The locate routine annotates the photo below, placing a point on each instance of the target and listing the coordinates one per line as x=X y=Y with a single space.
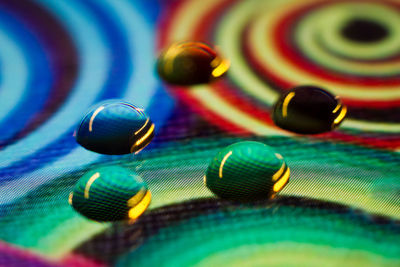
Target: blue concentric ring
x=96 y=81
x=13 y=65
x=37 y=84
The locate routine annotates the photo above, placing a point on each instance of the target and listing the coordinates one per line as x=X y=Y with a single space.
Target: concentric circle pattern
x=60 y=58
x=57 y=60
x=263 y=235
x=275 y=45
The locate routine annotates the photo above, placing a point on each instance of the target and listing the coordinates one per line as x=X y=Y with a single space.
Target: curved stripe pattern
x=286 y=231
x=38 y=81
x=112 y=88
x=55 y=231
x=78 y=155
x=115 y=49
x=93 y=53
x=326 y=30
x=62 y=122
x=98 y=79
x=13 y=64
x=63 y=65
x=248 y=34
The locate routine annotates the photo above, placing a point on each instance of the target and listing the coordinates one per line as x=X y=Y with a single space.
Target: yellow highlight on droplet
x=89 y=184
x=137 y=198
x=149 y=132
x=341 y=116
x=281 y=183
x=223 y=163
x=221 y=68
x=278 y=173
x=97 y=111
x=71 y=195
x=141 y=207
x=286 y=103
x=144 y=125
x=143 y=138
x=337 y=107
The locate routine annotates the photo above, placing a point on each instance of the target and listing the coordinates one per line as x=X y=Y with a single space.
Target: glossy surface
x=247 y=170
x=58 y=58
x=110 y=194
x=115 y=127
x=308 y=110
x=190 y=63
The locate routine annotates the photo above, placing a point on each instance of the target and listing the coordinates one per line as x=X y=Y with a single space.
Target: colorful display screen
x=341 y=206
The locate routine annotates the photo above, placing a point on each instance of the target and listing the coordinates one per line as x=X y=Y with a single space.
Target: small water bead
x=247 y=170
x=114 y=128
x=110 y=194
x=190 y=63
x=309 y=110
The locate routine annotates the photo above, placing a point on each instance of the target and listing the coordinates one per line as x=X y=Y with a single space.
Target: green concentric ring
x=284 y=232
x=332 y=38
x=319 y=37
x=257 y=17
x=342 y=173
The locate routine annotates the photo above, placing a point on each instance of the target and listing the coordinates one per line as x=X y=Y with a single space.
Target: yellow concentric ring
x=326 y=23
x=260 y=18
x=182 y=29
x=331 y=25
x=273 y=60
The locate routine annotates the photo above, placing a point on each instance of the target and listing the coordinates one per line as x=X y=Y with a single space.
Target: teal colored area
x=117 y=44
x=46 y=223
x=308 y=229
x=351 y=175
